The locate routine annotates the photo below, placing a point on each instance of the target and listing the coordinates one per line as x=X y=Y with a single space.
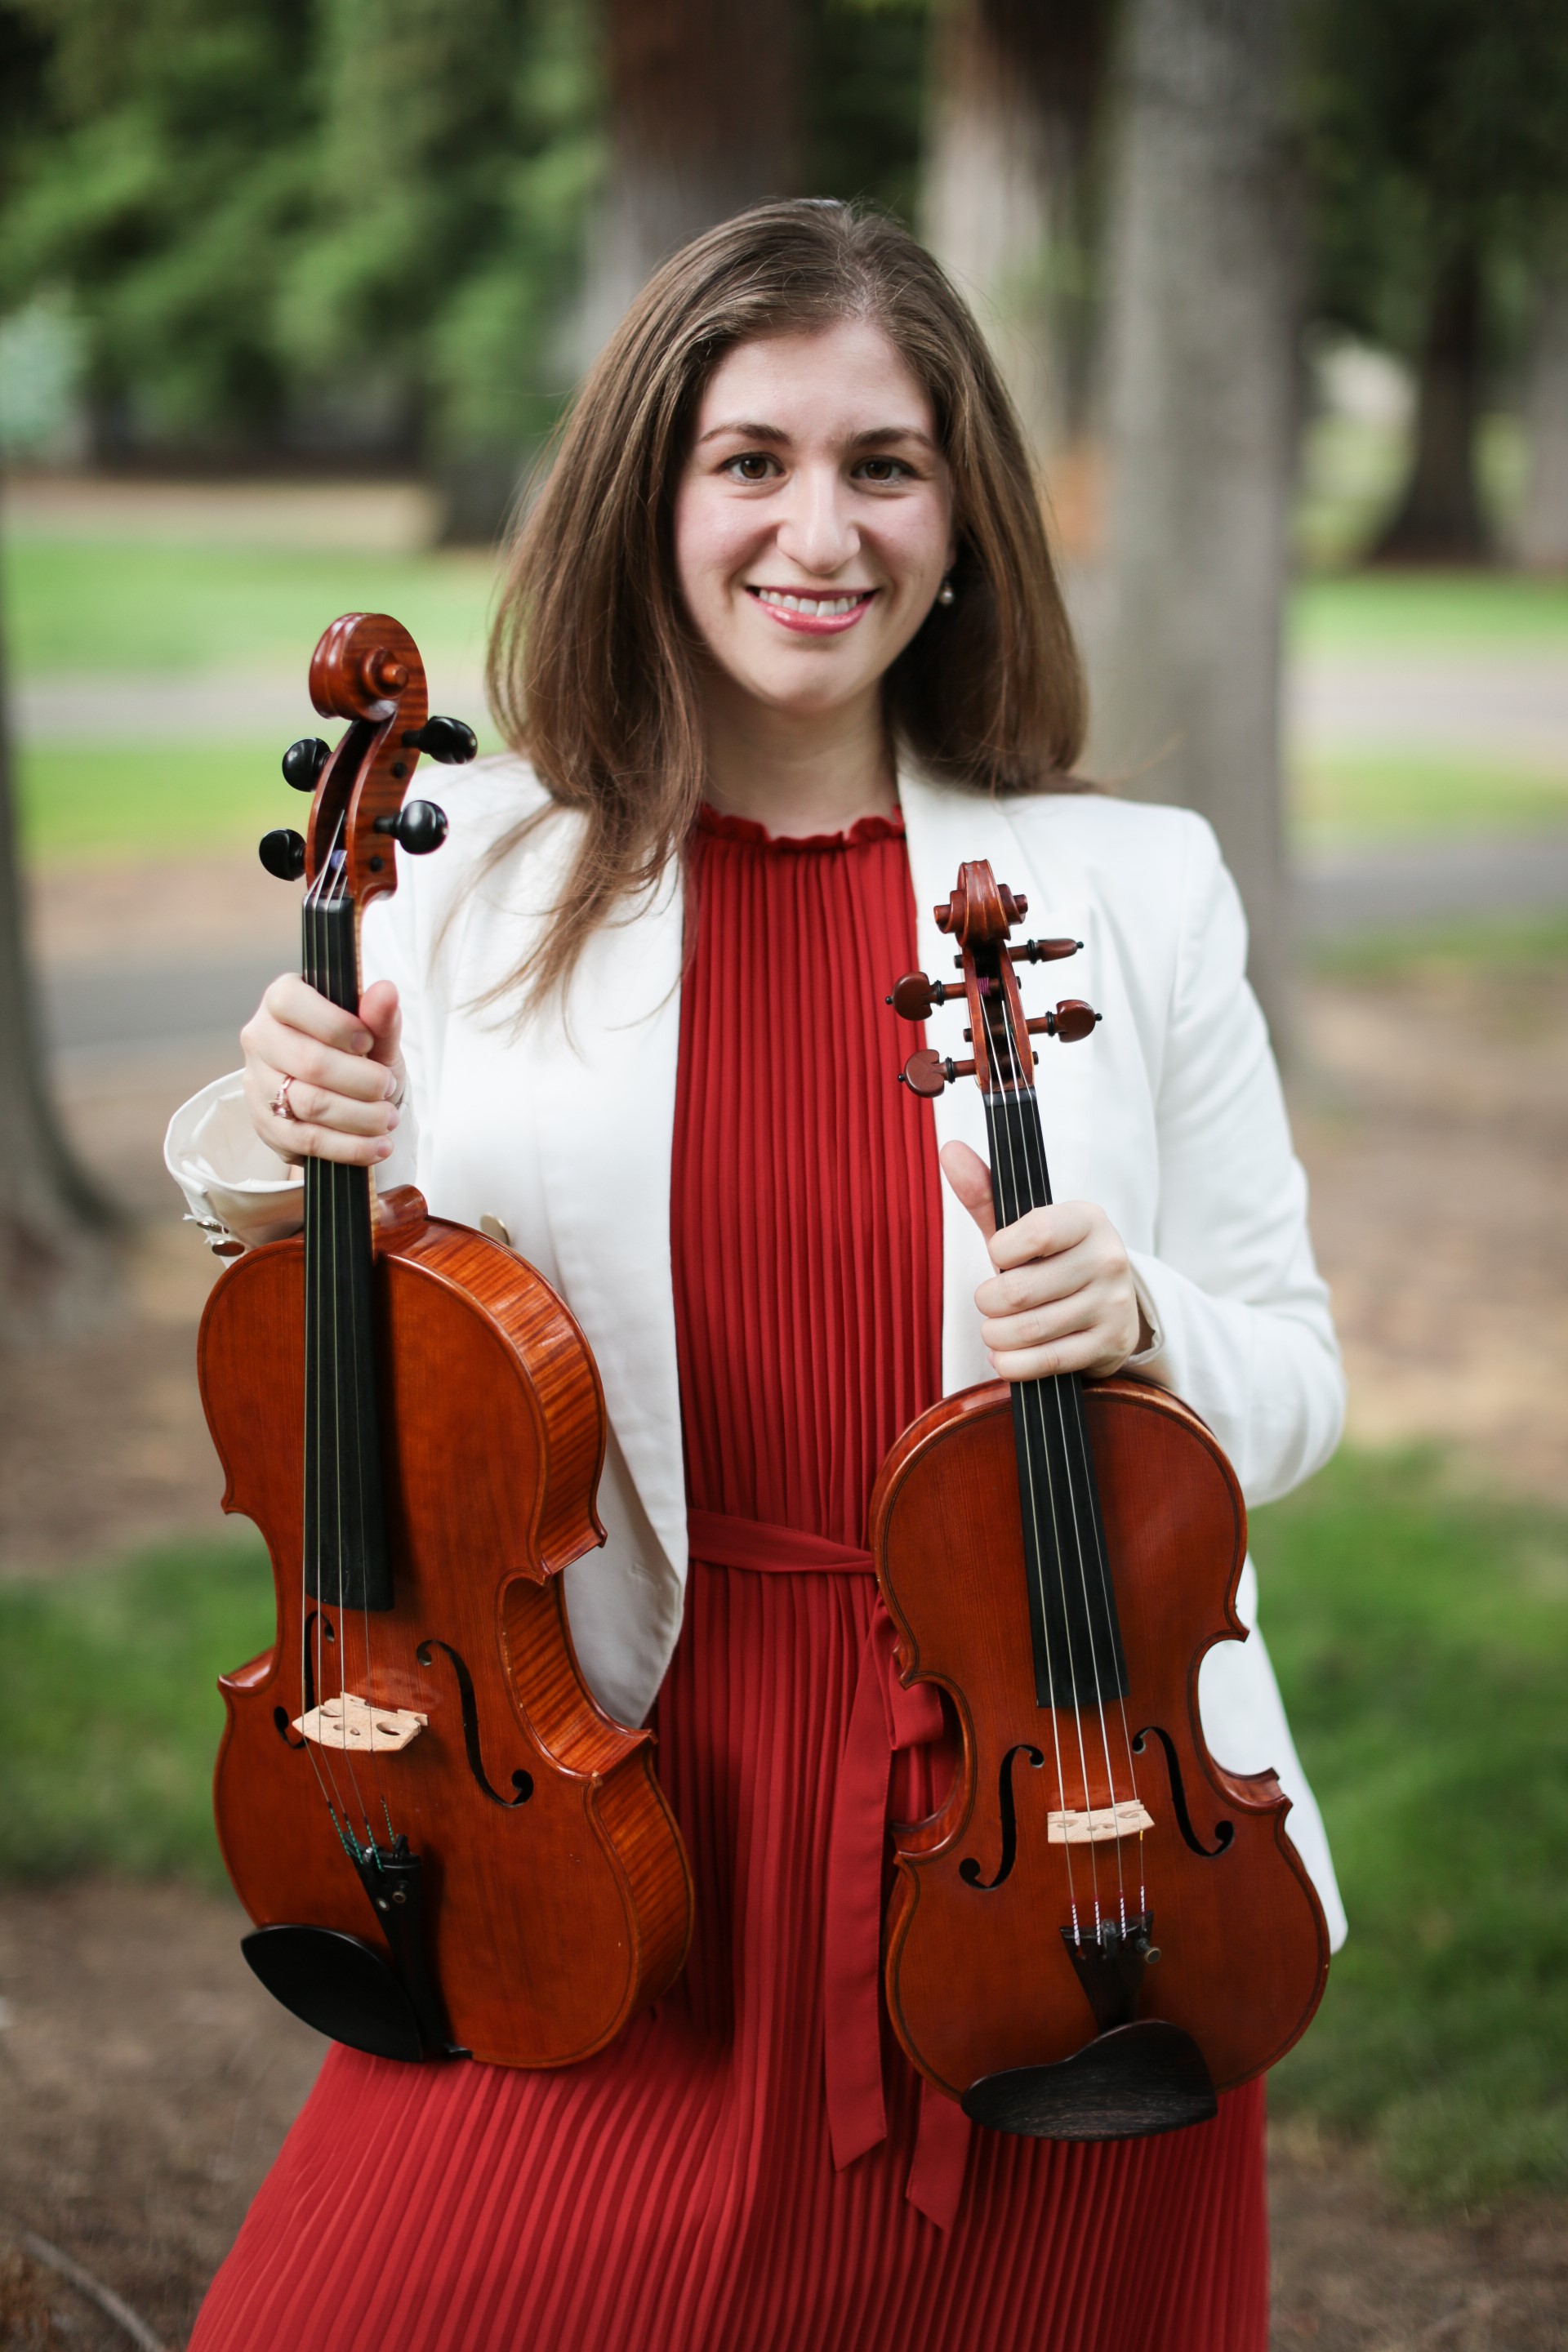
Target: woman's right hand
x=344 y=1072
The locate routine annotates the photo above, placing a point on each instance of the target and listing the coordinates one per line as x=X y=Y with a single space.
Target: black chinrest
x=1148 y=2076
x=338 y=1985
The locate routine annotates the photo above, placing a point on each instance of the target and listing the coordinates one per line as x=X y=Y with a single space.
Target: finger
x=302 y=1055
x=312 y=1114
x=383 y=1016
x=293 y=1002
x=1005 y=1334
x=1039 y=1282
x=1043 y=1233
x=1081 y=1351
x=309 y=1141
x=971 y=1180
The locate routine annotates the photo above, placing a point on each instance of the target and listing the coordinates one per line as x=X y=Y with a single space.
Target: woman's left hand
x=1062 y=1299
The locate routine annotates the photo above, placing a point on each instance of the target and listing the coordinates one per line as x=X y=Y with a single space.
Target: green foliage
x=108 y=1714
x=1347 y=791
x=863 y=72
x=280 y=221
x=1431 y=124
x=1421 y=1635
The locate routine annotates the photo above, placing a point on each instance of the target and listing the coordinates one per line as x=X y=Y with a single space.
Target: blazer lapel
x=606 y=1126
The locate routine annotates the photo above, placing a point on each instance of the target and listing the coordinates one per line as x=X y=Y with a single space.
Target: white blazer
x=1171 y=1117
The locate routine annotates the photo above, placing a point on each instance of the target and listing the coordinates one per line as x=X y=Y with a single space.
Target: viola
x=446 y=1846
x=1099 y=1927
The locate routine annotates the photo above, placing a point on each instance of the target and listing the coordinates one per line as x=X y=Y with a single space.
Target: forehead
x=829 y=384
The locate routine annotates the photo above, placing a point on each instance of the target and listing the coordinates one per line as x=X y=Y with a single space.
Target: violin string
x=341 y=1178
x=1121 y=1696
x=1032 y=1138
x=1011 y=1190
x=321 y=1753
x=1031 y=1394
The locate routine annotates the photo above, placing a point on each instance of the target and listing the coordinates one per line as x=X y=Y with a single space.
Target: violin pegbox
x=367 y=669
x=980 y=915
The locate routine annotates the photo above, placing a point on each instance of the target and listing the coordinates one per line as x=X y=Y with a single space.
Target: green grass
x=108 y=1716
x=1518 y=946
x=1414 y=791
x=1421 y=1636
x=1380 y=613
x=118 y=604
x=110 y=800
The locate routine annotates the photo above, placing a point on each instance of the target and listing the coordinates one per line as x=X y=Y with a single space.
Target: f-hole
x=1224 y=1831
x=280 y=1714
x=969 y=1869
x=522 y=1781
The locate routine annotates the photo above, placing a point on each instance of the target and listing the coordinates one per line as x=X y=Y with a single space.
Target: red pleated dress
x=752 y=2168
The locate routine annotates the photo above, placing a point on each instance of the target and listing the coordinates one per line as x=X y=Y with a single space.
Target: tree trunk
x=56 y=1269
x=1543 y=526
x=703 y=124
x=1439 y=519
x=1184 y=633
x=1005 y=199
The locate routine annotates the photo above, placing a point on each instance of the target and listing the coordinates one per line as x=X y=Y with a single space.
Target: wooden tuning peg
x=914 y=995
x=1072 y=1021
x=1045 y=951
x=928 y=1072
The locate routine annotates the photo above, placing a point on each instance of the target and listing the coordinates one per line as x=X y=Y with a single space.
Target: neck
x=796 y=772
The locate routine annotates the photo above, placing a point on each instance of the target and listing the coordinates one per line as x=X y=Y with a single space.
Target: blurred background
x=291 y=293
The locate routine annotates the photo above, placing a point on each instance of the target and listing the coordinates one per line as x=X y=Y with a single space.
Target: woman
x=784 y=645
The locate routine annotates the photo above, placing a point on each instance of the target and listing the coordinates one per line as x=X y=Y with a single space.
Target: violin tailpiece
x=1100 y=1825
x=350 y=1722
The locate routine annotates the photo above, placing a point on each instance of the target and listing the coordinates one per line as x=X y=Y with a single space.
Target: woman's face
x=814 y=516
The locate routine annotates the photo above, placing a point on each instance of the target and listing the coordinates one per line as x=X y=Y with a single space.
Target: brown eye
x=753 y=467
x=884 y=470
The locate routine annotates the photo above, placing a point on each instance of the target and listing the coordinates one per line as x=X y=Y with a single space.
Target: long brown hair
x=593 y=669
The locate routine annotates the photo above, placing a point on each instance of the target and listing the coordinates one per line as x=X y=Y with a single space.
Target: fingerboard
x=1077 y=1650
x=345 y=1536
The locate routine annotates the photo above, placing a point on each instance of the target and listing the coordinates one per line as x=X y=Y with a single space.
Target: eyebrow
x=878 y=437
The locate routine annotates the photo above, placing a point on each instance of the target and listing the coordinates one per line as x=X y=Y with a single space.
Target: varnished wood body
x=978 y=1978
x=550 y=1921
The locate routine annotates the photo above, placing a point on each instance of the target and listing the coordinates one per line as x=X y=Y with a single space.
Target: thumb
x=379 y=1010
x=971 y=1180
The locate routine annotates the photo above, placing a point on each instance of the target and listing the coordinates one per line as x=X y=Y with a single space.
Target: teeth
x=817 y=607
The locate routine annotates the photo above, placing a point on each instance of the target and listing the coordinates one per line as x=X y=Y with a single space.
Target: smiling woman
x=780 y=644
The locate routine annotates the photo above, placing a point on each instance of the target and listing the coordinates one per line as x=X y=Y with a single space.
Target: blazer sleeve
x=1240 y=1313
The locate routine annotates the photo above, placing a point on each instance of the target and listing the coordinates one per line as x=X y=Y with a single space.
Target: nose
x=816 y=530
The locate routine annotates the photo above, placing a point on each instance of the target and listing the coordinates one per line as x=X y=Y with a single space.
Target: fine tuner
x=418 y=827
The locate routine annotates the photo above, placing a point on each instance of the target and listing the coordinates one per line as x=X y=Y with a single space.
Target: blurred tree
x=703 y=119
x=56 y=1268
x=1543 y=522
x=1439 y=138
x=1200 y=424
x=54 y=1265
x=1009 y=196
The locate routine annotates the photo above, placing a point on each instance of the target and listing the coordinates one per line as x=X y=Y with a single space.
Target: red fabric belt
x=883 y=1718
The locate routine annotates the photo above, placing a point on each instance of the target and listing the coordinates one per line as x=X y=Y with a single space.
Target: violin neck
x=1077 y=1652
x=345 y=1536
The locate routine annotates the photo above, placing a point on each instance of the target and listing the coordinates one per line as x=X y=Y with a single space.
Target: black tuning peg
x=283 y=852
x=446 y=740
x=304 y=762
x=418 y=827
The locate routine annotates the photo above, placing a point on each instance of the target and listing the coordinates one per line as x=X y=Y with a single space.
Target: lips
x=816 y=616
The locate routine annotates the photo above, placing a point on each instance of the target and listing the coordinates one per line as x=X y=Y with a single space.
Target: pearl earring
x=945 y=594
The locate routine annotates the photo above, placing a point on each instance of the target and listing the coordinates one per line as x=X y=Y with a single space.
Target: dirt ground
x=144 y=2079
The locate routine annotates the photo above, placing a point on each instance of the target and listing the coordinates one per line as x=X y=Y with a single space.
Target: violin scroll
x=365 y=669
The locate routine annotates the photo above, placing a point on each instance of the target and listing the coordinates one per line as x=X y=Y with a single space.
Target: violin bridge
x=1100 y=1825
x=350 y=1722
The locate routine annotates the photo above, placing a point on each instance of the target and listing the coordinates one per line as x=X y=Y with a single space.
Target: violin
x=447 y=1845
x=1099 y=1927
